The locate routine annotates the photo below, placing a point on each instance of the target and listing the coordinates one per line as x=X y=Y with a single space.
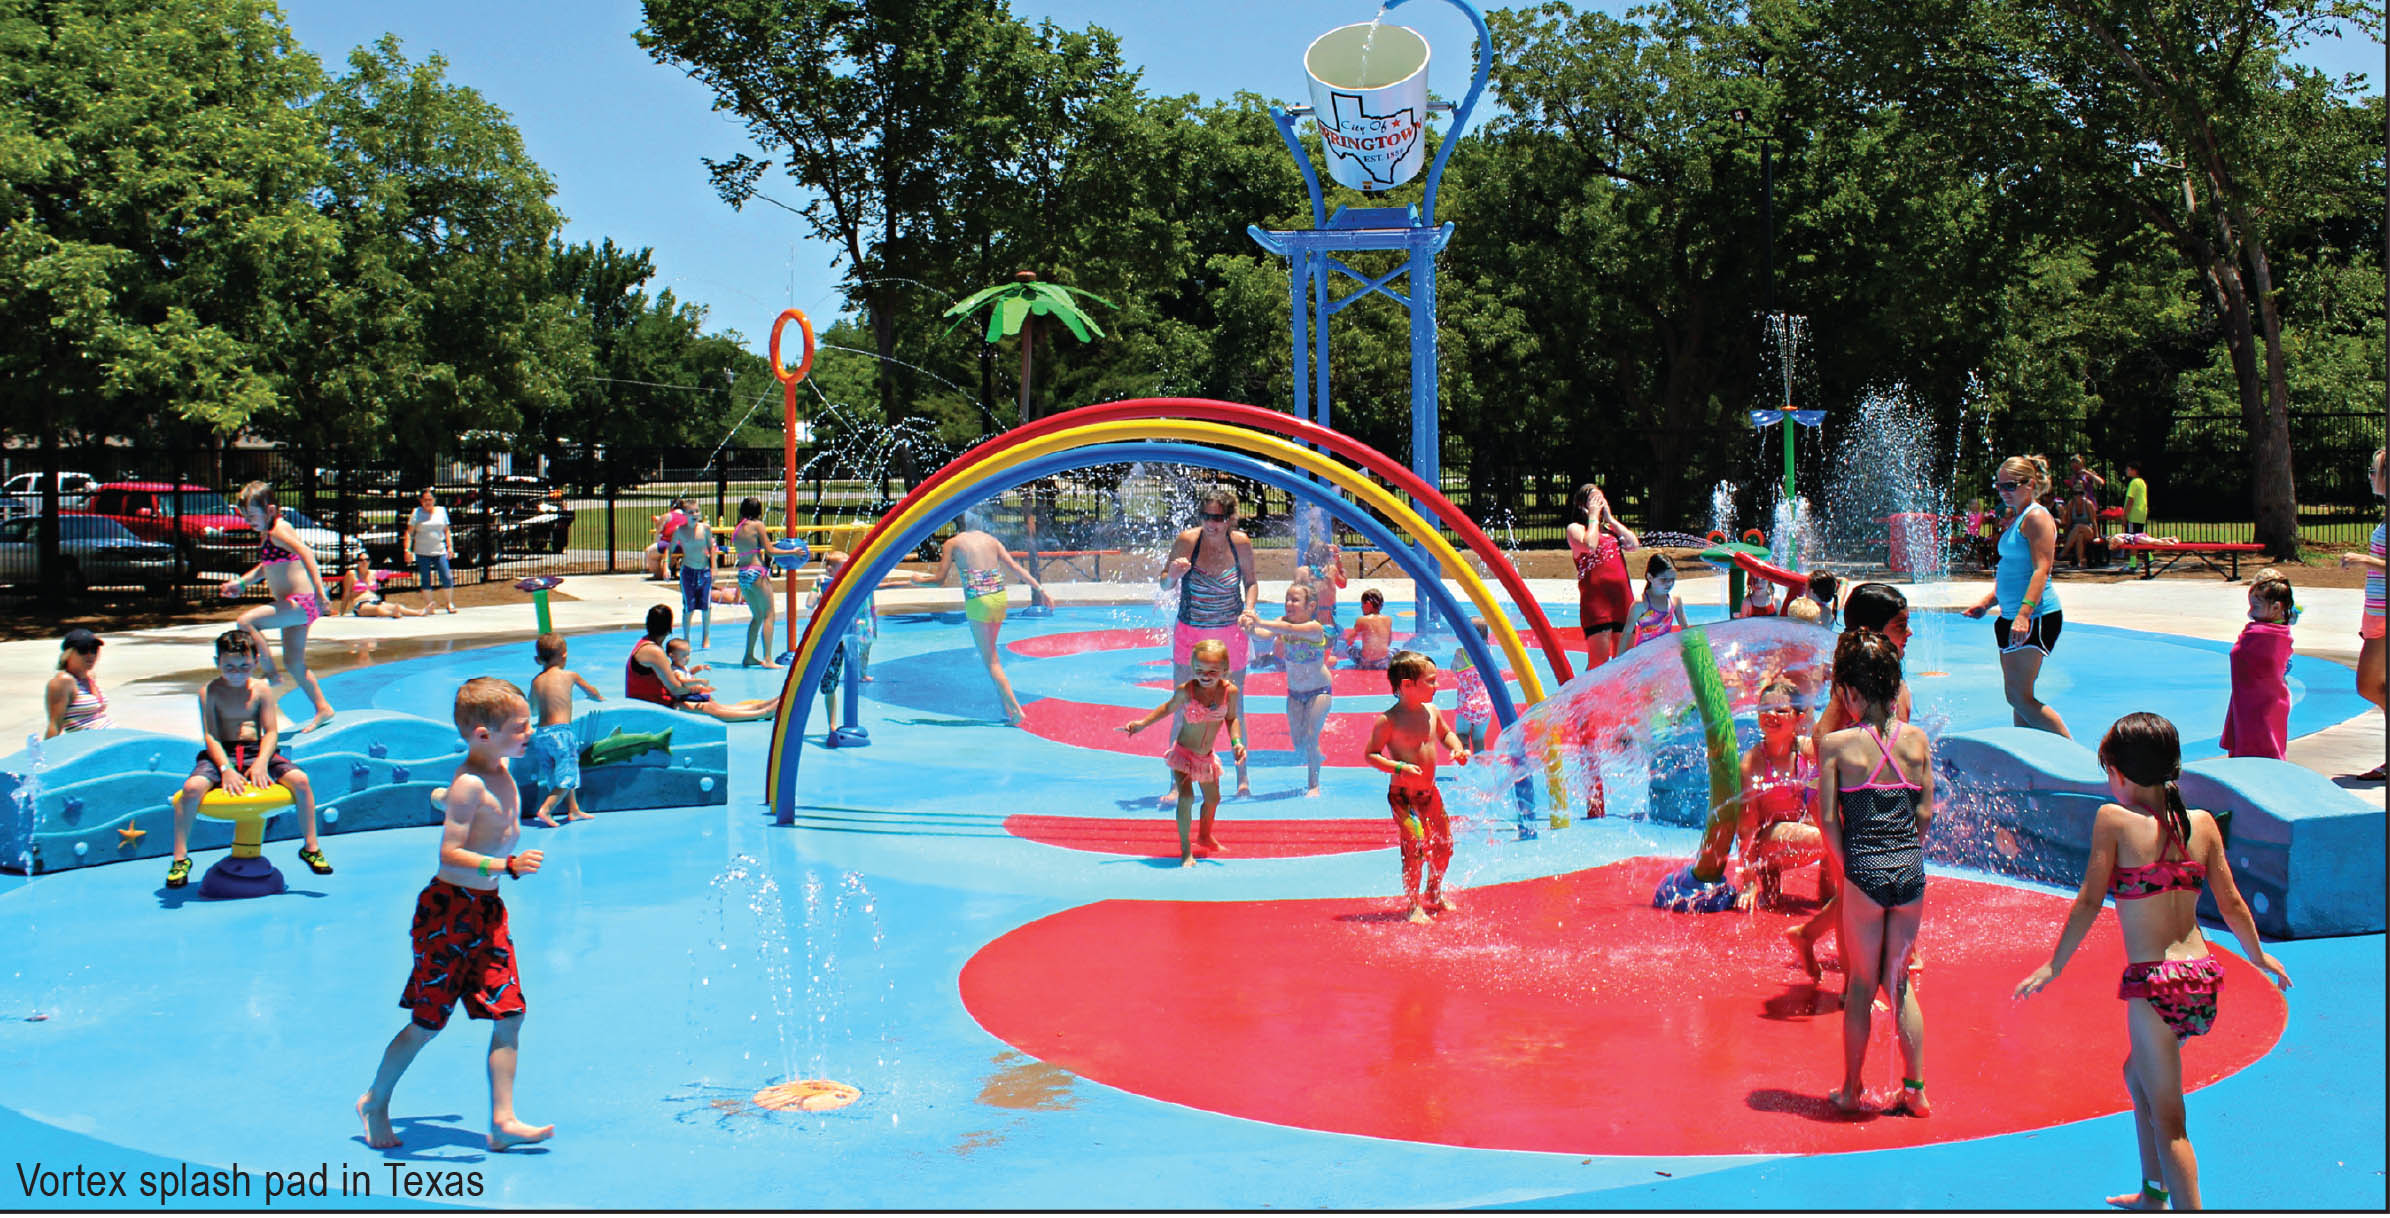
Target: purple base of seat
x=231 y=879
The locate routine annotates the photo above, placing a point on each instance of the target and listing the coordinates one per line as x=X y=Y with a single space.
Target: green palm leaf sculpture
x=1013 y=308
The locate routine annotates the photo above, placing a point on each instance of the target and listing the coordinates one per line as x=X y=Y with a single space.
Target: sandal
x=179 y=874
x=2376 y=774
x=314 y=858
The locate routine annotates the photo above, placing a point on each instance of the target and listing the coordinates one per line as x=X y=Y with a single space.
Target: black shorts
x=2042 y=635
x=243 y=756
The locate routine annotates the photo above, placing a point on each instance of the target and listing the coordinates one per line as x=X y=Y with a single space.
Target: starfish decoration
x=130 y=836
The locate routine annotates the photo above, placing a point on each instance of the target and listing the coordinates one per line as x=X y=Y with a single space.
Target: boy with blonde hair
x=462 y=949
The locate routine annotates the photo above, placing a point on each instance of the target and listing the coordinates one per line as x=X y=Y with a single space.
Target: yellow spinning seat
x=244 y=873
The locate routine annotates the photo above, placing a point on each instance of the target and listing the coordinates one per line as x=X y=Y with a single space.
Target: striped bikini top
x=2164 y=875
x=1206 y=599
x=87 y=708
x=1654 y=623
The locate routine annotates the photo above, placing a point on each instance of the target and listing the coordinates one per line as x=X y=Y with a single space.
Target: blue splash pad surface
x=676 y=961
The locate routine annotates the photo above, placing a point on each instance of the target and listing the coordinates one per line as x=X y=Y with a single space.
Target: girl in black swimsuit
x=1875 y=800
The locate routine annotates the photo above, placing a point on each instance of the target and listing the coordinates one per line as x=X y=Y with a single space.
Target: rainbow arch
x=1221 y=433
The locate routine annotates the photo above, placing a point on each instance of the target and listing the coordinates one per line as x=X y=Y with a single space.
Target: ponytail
x=2178 y=817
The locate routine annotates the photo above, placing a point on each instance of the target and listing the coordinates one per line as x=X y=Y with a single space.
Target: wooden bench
x=1072 y=559
x=2205 y=553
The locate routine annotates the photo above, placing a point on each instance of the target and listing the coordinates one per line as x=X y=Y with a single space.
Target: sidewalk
x=151 y=676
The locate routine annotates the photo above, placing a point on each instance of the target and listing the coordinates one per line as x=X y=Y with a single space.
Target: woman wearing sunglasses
x=2029 y=621
x=1212 y=564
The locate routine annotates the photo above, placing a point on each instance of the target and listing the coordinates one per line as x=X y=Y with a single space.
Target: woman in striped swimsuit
x=75 y=701
x=1212 y=564
x=1875 y=801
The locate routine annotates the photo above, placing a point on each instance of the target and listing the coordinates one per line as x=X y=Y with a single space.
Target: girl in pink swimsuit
x=1207 y=702
x=2170 y=988
x=289 y=571
x=1779 y=821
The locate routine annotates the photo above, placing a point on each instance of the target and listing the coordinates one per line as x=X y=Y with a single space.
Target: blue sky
x=623 y=135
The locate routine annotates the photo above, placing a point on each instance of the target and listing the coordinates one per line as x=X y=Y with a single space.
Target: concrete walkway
x=151 y=676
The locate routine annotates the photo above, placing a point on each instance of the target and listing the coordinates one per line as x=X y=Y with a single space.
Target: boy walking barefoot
x=239 y=726
x=555 y=743
x=1403 y=743
x=461 y=945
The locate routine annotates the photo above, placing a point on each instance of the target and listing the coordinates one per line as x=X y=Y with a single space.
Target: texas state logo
x=1370 y=150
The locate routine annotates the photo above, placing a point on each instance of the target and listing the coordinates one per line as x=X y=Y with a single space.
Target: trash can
x=1916 y=539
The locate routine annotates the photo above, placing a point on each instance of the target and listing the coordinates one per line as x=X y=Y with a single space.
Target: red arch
x=1400 y=476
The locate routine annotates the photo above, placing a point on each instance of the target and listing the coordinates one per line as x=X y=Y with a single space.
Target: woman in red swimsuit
x=2170 y=988
x=1604 y=594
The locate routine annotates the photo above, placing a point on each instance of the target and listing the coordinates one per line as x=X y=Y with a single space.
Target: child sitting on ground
x=1759 y=600
x=462 y=949
x=1778 y=825
x=556 y=746
x=1370 y=641
x=1662 y=612
x=239 y=729
x=1403 y=743
x=677 y=653
x=1474 y=712
x=2257 y=719
x=1209 y=699
x=365 y=594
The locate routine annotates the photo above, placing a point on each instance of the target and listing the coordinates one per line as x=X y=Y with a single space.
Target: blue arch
x=1364 y=522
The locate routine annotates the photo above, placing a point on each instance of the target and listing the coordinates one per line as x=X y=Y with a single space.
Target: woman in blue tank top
x=2029 y=621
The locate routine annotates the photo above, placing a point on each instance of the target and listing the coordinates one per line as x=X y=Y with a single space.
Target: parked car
x=220 y=541
x=93 y=551
x=22 y=494
x=333 y=549
x=530 y=518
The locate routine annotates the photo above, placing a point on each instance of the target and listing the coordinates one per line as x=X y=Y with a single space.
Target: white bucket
x=1371 y=108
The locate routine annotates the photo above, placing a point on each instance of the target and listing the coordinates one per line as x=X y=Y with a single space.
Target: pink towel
x=2257 y=721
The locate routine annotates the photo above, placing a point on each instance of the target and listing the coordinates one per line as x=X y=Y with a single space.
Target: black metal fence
x=578 y=512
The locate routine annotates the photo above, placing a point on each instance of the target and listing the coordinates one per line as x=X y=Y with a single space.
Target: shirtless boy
x=1372 y=633
x=239 y=727
x=461 y=946
x=1403 y=743
x=555 y=745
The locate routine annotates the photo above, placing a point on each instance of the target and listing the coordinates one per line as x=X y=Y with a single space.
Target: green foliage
x=156 y=227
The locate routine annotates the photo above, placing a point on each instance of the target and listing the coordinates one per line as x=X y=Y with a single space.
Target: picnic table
x=2205 y=553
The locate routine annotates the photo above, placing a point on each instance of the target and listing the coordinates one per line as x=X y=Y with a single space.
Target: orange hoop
x=804 y=366
x=1754 y=537
x=1717 y=537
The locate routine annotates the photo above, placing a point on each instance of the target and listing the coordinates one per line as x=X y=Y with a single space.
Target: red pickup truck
x=218 y=540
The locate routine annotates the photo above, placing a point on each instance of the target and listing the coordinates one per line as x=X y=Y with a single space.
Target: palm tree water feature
x=1014 y=308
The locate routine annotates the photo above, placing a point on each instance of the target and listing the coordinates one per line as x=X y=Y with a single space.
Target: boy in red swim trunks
x=461 y=946
x=1403 y=743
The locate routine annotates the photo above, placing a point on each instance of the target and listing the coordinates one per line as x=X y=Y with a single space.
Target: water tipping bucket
x=1369 y=95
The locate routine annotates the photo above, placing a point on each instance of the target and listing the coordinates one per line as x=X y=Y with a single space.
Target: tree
x=155 y=211
x=442 y=329
x=2181 y=115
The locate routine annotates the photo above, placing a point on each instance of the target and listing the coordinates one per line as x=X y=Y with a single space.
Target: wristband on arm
x=511 y=873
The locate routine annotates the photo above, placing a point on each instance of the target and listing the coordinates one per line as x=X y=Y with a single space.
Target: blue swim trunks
x=558 y=748
x=696 y=587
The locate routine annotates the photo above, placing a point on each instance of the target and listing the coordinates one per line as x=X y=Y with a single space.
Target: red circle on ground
x=1565 y=1014
x=1156 y=836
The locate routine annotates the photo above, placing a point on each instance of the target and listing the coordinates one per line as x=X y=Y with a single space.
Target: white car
x=333 y=550
x=22 y=494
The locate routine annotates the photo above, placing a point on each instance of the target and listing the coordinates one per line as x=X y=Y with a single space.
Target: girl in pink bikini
x=2153 y=855
x=1208 y=701
x=288 y=569
x=1779 y=820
